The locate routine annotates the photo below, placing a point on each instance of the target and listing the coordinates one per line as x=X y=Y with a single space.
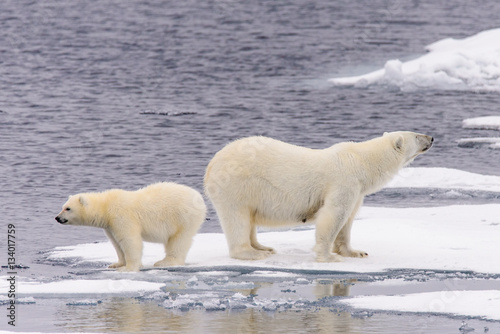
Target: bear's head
x=409 y=144
x=73 y=210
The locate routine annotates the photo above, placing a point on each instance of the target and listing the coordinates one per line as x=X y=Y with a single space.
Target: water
x=96 y=95
x=250 y=302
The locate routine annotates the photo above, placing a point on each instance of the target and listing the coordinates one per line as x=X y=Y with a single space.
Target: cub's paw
x=129 y=269
x=251 y=254
x=168 y=263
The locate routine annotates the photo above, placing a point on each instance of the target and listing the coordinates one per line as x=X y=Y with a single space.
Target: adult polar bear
x=259 y=181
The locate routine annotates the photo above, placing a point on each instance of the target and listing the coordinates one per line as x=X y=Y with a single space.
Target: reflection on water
x=130 y=315
x=119 y=314
x=301 y=306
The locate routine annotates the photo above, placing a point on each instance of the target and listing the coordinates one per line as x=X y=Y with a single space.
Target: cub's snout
x=61 y=220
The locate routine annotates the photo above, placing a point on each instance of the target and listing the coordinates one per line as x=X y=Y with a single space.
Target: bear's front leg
x=331 y=218
x=119 y=252
x=132 y=250
x=344 y=248
x=327 y=228
x=342 y=244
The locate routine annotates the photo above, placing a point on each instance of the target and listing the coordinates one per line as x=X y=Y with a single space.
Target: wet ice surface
x=248 y=301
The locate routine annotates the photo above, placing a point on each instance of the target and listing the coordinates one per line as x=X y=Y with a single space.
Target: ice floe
x=491 y=142
x=483 y=304
x=105 y=286
x=481 y=123
x=485 y=122
x=439 y=238
x=444 y=178
x=471 y=63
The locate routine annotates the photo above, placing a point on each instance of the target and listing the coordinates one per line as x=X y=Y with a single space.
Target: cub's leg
x=342 y=244
x=119 y=252
x=176 y=249
x=130 y=242
x=238 y=230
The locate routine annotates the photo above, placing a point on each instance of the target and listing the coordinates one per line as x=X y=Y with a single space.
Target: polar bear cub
x=259 y=181
x=166 y=213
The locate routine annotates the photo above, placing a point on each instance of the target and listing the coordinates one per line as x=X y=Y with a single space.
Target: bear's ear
x=82 y=200
x=398 y=142
x=385 y=133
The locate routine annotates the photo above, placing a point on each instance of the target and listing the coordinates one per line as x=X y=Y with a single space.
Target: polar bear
x=259 y=181
x=166 y=213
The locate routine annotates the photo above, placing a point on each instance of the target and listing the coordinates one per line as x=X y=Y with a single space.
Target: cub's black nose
x=61 y=221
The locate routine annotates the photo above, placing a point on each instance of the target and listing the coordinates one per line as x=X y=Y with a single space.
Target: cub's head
x=73 y=211
x=409 y=144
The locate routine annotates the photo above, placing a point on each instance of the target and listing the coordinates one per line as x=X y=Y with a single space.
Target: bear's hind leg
x=237 y=228
x=176 y=249
x=255 y=244
x=342 y=244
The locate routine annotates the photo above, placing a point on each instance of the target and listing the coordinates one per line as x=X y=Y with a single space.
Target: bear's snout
x=428 y=140
x=430 y=144
x=61 y=220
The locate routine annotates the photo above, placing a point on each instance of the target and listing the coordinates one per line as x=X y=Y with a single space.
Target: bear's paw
x=169 y=262
x=354 y=253
x=116 y=265
x=332 y=257
x=252 y=254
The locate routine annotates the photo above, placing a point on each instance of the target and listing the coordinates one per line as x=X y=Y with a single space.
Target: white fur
x=259 y=181
x=167 y=213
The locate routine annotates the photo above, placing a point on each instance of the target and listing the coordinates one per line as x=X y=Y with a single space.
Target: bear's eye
x=68 y=209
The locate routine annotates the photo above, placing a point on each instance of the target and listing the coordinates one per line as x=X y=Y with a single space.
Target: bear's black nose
x=61 y=221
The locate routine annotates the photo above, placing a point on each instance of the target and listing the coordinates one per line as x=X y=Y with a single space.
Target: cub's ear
x=398 y=143
x=83 y=200
x=385 y=133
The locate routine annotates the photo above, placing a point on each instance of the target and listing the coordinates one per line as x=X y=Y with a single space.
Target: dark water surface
x=120 y=94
